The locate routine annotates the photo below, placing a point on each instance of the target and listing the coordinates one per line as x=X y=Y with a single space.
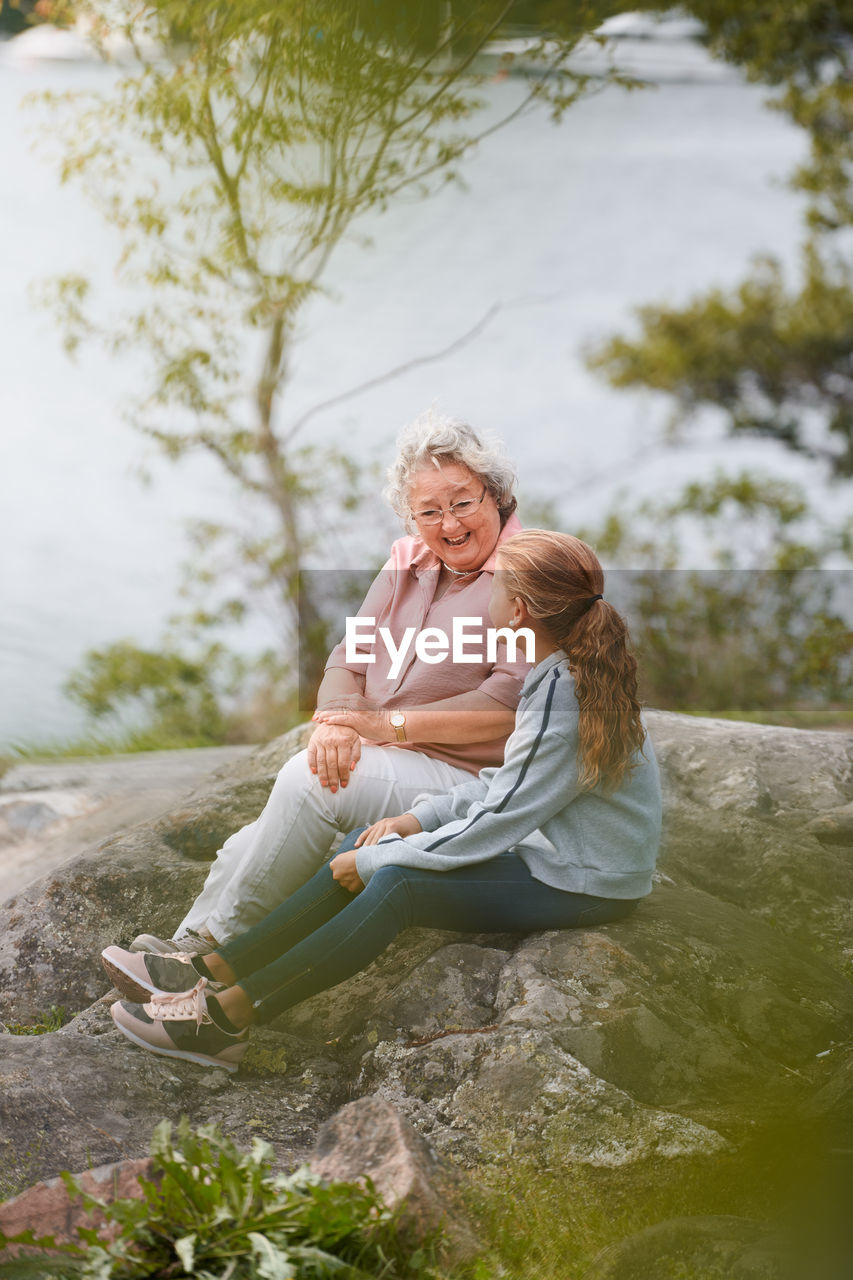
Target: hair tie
x=592 y=599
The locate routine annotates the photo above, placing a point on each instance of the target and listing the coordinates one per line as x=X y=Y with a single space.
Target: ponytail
x=561 y=581
x=605 y=673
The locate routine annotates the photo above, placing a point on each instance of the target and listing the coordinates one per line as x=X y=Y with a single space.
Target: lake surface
x=633 y=198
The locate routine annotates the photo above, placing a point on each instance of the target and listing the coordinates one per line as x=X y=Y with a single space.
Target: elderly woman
x=432 y=724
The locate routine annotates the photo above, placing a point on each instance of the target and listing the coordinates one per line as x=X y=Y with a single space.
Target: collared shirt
x=403 y=595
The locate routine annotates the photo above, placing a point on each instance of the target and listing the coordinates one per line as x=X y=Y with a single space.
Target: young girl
x=564 y=833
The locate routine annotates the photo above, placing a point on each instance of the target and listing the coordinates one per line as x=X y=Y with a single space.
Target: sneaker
x=189 y=943
x=141 y=975
x=180 y=1026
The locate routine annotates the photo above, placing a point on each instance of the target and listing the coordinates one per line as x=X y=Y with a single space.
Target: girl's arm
x=433 y=812
x=539 y=777
x=428 y=812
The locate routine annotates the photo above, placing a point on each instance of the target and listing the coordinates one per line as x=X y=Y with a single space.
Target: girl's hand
x=358 y=714
x=406 y=824
x=345 y=872
x=333 y=753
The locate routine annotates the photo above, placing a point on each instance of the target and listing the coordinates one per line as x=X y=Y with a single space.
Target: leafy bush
x=153 y=699
x=216 y=1213
x=166 y=690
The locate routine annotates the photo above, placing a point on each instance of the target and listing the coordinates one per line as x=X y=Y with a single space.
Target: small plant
x=215 y=1213
x=50 y=1021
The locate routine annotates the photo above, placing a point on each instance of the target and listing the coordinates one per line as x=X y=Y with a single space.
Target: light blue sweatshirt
x=587 y=842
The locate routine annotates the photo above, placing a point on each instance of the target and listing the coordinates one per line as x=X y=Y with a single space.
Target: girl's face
x=503 y=609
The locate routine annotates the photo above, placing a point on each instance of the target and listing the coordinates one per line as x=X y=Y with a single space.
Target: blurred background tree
x=766 y=631
x=249 y=141
x=244 y=144
x=157 y=699
x=775 y=356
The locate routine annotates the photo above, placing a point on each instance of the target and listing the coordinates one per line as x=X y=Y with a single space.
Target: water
x=634 y=198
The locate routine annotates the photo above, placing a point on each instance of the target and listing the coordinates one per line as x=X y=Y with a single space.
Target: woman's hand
x=333 y=753
x=345 y=872
x=405 y=824
x=358 y=714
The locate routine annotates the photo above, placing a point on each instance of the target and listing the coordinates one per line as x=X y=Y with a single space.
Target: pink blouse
x=401 y=596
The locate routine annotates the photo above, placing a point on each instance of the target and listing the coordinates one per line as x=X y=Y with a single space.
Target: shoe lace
x=181 y=1006
x=192 y=937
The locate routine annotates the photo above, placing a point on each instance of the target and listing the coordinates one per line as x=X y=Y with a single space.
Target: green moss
x=265 y=1057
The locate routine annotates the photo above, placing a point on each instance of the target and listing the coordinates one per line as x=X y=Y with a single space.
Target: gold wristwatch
x=398 y=723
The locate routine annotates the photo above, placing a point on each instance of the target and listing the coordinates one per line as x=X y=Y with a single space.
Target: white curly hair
x=434 y=438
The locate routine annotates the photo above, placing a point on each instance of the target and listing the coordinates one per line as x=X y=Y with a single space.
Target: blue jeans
x=323 y=934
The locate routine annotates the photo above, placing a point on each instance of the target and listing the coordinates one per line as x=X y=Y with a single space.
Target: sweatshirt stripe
x=546 y=715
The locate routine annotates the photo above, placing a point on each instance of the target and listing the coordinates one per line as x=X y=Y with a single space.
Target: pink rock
x=47 y=1209
x=369 y=1138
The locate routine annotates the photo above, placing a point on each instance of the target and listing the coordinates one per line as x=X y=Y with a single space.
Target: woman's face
x=461 y=544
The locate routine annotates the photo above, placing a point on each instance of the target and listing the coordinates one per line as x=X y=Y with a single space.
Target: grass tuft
x=55 y=1018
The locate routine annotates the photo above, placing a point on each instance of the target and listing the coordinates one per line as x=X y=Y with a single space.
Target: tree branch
x=406 y=367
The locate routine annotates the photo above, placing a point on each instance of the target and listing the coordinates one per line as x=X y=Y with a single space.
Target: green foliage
x=774 y=356
x=777 y=362
x=173 y=695
x=804 y=48
x=764 y=626
x=778 y=42
x=156 y=699
x=51 y=1021
x=216 y=1213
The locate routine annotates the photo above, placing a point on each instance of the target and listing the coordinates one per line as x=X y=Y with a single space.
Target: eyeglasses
x=462 y=510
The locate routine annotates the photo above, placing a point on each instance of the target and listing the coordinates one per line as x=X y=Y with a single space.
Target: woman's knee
x=295 y=781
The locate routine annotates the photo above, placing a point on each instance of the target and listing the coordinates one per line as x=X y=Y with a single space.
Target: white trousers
x=260 y=865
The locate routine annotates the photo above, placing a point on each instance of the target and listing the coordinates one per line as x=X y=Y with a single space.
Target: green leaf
x=272 y=1263
x=185 y=1249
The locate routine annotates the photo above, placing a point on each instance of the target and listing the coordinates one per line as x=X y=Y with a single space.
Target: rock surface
x=742 y=803
x=370 y=1139
x=667 y=1033
x=142 y=877
x=52 y=812
x=47 y=1209
x=720 y=1246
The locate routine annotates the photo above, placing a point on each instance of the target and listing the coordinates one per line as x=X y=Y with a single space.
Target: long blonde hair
x=558 y=576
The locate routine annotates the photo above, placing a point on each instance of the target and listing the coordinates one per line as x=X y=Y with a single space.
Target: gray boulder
x=52 y=932
x=747 y=812
x=52 y=811
x=668 y=1033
